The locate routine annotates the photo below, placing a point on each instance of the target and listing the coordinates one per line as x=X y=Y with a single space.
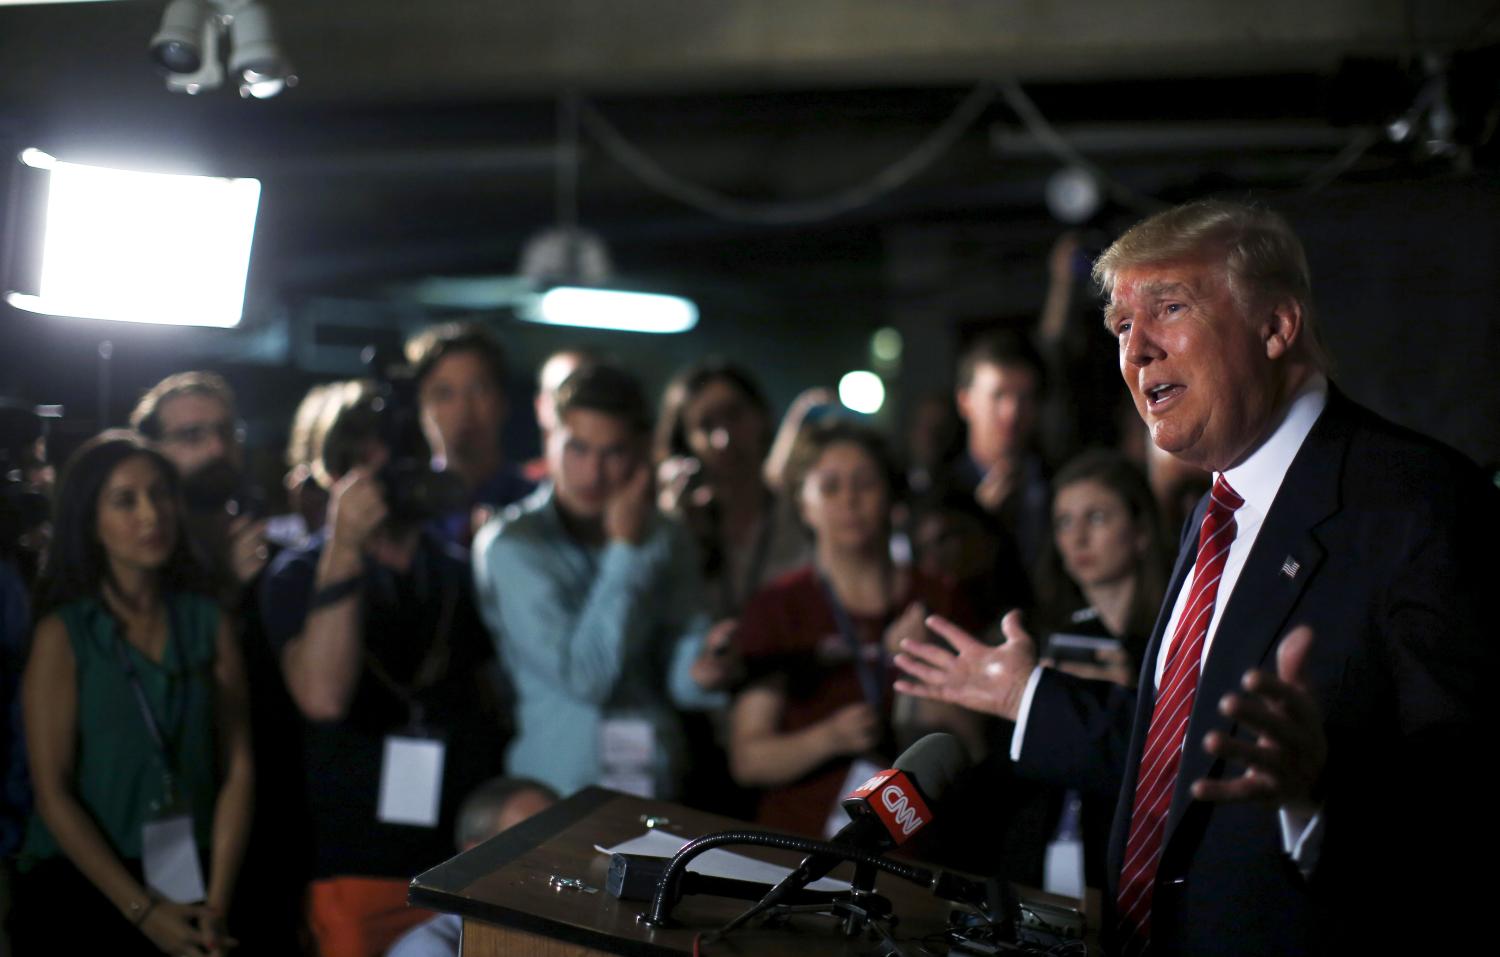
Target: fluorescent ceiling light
x=862 y=391
x=144 y=247
x=613 y=309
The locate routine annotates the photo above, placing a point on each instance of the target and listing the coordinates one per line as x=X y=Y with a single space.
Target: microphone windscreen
x=933 y=763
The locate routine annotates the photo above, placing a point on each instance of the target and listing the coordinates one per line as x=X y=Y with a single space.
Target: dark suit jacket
x=1392 y=537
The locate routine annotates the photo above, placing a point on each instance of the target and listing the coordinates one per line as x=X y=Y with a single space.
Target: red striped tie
x=1157 y=775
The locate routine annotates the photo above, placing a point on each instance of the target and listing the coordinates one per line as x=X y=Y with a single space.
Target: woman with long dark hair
x=1099 y=588
x=135 y=709
x=1105 y=567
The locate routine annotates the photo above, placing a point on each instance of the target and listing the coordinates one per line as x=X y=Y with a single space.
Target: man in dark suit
x=1291 y=773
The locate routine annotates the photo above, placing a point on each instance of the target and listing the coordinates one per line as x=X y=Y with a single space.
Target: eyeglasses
x=226 y=430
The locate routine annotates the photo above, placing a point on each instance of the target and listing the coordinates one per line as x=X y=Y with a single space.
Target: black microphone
x=888 y=808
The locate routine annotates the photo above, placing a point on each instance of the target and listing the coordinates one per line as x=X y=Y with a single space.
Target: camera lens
x=177 y=56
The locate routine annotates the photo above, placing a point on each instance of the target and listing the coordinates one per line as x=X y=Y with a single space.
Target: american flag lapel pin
x=1290 y=567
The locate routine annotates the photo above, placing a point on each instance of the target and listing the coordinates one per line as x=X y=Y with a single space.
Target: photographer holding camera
x=383 y=653
x=459 y=372
x=190 y=417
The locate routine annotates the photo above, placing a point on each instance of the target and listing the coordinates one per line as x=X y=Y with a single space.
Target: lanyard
x=434 y=664
x=869 y=668
x=147 y=715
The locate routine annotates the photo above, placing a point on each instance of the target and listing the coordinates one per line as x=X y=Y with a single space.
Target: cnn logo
x=900 y=806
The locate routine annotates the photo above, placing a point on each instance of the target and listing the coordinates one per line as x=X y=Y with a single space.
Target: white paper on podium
x=714 y=863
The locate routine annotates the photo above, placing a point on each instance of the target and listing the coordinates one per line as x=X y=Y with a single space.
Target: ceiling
x=421 y=139
x=384 y=51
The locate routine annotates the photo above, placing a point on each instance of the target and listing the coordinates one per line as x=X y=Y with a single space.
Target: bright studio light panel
x=145 y=247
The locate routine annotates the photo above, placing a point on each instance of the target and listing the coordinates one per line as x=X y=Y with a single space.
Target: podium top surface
x=507 y=881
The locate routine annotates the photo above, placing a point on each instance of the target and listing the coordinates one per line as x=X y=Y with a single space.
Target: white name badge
x=860 y=771
x=626 y=743
x=1062 y=870
x=627 y=756
x=169 y=856
x=411 y=781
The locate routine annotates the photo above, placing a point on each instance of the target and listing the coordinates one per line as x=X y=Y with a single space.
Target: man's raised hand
x=1285 y=762
x=985 y=678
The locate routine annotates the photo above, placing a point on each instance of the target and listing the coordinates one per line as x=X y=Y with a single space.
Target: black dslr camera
x=414 y=493
x=24 y=478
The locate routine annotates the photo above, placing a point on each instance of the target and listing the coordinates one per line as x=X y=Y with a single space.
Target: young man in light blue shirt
x=595 y=605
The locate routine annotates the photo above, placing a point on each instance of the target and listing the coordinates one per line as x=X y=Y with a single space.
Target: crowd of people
x=251 y=732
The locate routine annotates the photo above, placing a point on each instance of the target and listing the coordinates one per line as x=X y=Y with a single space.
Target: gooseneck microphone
x=886 y=810
x=889 y=808
x=669 y=887
x=883 y=812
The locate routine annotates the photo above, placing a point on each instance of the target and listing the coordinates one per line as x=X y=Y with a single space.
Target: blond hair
x=346 y=419
x=1263 y=258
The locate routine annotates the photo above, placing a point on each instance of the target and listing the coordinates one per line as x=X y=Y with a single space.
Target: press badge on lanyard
x=169 y=851
x=868 y=661
x=411 y=776
x=169 y=856
x=627 y=756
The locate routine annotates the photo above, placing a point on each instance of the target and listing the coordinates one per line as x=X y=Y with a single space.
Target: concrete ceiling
x=383 y=51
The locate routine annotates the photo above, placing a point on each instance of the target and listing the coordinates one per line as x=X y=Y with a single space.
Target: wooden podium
x=506 y=894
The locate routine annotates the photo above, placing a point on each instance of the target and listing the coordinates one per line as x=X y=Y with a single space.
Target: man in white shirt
x=1291 y=773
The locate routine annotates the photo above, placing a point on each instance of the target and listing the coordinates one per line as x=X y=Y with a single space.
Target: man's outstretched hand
x=985 y=678
x=1285 y=762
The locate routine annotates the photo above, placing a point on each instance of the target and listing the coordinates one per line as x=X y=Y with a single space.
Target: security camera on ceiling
x=187 y=47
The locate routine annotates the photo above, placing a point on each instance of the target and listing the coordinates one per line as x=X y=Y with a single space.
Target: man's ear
x=1283 y=327
x=961 y=401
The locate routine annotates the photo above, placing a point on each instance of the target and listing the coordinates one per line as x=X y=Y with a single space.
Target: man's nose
x=1140 y=346
x=597 y=472
x=216 y=444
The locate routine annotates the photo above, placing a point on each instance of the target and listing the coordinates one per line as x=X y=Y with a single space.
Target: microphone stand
x=865 y=904
x=868 y=903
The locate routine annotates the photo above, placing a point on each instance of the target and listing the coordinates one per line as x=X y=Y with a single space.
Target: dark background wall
x=1407 y=292
x=423 y=144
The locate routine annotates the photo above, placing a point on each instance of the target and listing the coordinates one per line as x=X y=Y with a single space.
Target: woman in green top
x=135 y=706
